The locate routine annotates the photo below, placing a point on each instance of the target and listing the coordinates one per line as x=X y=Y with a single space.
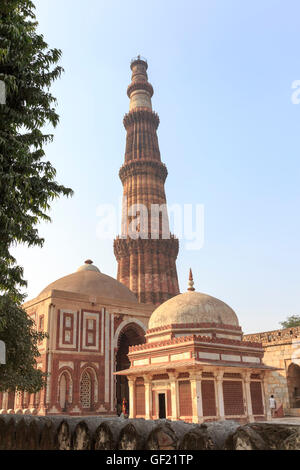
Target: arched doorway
x=131 y=335
x=293 y=382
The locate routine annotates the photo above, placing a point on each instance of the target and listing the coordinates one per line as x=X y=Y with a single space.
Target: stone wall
x=281 y=350
x=95 y=433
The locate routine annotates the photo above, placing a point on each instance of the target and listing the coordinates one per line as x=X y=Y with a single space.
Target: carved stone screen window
x=85 y=390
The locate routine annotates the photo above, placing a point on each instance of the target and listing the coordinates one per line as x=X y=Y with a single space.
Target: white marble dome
x=192 y=307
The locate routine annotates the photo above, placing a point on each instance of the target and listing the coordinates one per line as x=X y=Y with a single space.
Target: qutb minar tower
x=146 y=258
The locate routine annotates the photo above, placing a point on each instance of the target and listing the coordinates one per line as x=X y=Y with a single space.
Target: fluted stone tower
x=147 y=262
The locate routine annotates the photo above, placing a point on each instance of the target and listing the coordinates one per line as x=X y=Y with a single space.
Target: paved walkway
x=285 y=420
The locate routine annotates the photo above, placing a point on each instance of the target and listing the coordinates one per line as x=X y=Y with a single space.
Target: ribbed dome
x=90 y=281
x=192 y=307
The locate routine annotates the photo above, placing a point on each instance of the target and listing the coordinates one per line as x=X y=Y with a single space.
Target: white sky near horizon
x=222 y=74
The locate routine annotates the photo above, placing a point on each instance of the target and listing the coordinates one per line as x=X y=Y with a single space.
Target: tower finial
x=191 y=282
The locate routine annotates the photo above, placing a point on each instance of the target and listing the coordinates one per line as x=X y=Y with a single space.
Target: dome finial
x=191 y=281
x=88 y=261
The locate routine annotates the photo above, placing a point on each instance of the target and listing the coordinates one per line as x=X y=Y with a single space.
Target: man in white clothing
x=272 y=403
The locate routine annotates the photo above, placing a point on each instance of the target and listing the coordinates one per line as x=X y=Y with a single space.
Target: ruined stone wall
x=281 y=349
x=96 y=433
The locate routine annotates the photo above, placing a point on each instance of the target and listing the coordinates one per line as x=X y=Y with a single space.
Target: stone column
x=148 y=397
x=4 y=402
x=265 y=392
x=196 y=397
x=219 y=395
x=132 y=404
x=31 y=403
x=174 y=395
x=247 y=394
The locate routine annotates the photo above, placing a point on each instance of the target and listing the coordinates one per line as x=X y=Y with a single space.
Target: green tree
x=21 y=340
x=293 y=320
x=27 y=181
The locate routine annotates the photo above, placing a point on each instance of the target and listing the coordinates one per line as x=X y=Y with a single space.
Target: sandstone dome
x=88 y=280
x=192 y=307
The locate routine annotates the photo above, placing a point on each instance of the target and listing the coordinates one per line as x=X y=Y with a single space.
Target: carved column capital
x=173 y=375
x=147 y=379
x=196 y=375
x=247 y=376
x=219 y=374
x=131 y=380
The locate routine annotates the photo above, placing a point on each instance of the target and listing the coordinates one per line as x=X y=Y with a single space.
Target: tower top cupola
x=139 y=91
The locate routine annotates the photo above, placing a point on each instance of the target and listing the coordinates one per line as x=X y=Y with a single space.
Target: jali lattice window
x=85 y=390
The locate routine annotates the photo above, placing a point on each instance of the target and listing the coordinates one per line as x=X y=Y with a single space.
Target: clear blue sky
x=222 y=73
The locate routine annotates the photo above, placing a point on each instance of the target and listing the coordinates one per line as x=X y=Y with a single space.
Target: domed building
x=191 y=364
x=91 y=319
x=195 y=365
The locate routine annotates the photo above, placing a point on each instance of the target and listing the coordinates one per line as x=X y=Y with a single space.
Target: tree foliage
x=27 y=180
x=21 y=339
x=292 y=320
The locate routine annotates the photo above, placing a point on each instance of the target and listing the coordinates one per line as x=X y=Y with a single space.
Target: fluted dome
x=192 y=307
x=88 y=280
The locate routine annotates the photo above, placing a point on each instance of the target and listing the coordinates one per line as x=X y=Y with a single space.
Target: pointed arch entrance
x=293 y=382
x=130 y=335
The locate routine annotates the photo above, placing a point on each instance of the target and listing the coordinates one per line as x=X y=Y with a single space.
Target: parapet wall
x=96 y=433
x=285 y=335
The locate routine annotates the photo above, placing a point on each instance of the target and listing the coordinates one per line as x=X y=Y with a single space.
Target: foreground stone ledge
x=27 y=432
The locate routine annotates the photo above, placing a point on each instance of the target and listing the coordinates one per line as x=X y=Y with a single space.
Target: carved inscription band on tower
x=147 y=263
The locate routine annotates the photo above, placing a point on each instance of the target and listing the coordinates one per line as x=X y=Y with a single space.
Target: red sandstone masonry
x=147 y=266
x=194 y=325
x=184 y=339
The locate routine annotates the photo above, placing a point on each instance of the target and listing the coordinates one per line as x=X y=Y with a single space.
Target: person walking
x=272 y=403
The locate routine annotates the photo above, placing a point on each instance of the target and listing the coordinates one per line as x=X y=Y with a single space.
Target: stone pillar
x=132 y=404
x=219 y=395
x=32 y=404
x=45 y=395
x=265 y=392
x=148 y=397
x=196 y=397
x=247 y=395
x=174 y=396
x=31 y=400
x=4 y=402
